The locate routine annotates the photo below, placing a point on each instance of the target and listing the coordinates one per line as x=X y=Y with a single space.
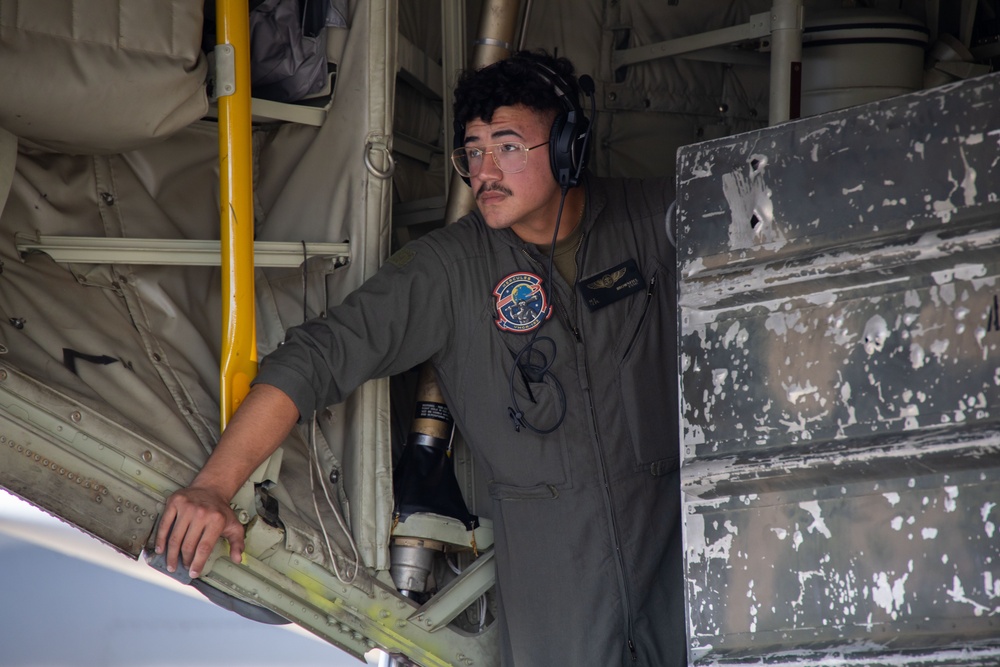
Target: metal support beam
x=171 y=252
x=757 y=27
x=453 y=60
x=414 y=148
x=786 y=60
x=454 y=598
x=418 y=69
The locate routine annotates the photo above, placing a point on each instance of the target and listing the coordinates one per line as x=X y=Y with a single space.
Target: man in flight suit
x=569 y=400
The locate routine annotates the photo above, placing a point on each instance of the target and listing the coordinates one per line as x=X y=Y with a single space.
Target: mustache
x=493 y=187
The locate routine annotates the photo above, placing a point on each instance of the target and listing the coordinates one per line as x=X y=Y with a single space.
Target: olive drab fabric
x=587 y=521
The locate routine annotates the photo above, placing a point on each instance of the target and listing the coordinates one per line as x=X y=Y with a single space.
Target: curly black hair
x=524 y=79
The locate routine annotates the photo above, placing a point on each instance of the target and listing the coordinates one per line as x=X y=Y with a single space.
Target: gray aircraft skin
x=836 y=222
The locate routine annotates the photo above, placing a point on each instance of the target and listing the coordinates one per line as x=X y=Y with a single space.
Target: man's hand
x=192 y=523
x=197 y=516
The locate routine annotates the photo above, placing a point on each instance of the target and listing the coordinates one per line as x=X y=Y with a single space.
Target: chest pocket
x=647 y=375
x=522 y=464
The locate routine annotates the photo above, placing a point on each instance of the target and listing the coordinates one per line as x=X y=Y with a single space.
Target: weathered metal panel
x=841 y=385
x=87 y=469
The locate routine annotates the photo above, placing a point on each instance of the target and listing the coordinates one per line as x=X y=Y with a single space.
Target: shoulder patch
x=401 y=257
x=522 y=304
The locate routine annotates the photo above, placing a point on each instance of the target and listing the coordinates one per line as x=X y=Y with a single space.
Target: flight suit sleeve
x=397 y=319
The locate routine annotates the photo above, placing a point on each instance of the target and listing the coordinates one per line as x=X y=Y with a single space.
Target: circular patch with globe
x=521 y=303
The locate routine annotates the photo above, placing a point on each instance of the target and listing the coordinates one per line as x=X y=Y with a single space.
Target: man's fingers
x=166 y=522
x=234 y=533
x=192 y=522
x=201 y=551
x=175 y=541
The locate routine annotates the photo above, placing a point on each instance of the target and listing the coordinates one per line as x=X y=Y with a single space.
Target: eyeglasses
x=509 y=158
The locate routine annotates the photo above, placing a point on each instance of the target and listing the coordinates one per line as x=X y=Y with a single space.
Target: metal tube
x=786 y=60
x=238 y=365
x=497 y=25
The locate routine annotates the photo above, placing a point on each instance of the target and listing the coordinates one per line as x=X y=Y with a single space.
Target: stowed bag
x=288 y=48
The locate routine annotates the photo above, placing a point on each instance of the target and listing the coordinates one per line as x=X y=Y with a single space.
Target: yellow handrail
x=239 y=336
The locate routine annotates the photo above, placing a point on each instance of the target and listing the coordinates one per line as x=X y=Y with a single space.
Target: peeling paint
x=751 y=207
x=840 y=387
x=818 y=524
x=889 y=597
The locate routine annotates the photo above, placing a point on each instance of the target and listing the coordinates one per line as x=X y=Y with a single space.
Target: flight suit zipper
x=612 y=518
x=564 y=315
x=608 y=501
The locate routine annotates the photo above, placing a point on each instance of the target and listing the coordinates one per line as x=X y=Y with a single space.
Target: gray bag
x=288 y=48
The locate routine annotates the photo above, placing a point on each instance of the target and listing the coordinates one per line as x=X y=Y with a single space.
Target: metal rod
x=758 y=26
x=170 y=252
x=786 y=59
x=238 y=365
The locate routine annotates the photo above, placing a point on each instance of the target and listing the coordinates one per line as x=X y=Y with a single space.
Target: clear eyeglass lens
x=509 y=157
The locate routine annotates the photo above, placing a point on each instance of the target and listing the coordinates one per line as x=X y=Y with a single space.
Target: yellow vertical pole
x=239 y=337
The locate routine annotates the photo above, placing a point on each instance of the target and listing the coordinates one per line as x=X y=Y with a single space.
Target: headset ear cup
x=557 y=153
x=580 y=149
x=562 y=150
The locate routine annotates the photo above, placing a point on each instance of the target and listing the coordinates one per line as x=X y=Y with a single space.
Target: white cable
x=314 y=460
x=482 y=598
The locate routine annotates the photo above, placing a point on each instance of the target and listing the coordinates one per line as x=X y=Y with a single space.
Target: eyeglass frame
x=527 y=149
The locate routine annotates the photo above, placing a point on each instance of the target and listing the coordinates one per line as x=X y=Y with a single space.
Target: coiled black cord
x=541 y=371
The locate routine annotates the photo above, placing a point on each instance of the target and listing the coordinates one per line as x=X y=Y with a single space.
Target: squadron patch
x=521 y=303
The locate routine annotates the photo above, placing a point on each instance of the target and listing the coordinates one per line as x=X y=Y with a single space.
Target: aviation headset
x=569 y=137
